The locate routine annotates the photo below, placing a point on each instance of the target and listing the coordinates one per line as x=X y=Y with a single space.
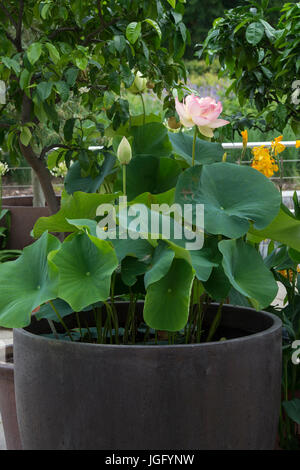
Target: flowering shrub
x=263 y=161
x=3 y=168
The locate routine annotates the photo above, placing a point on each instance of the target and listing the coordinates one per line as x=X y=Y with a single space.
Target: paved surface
x=5 y=337
x=2 y=440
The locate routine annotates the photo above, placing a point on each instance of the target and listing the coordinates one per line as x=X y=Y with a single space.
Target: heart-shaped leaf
x=167 y=300
x=150 y=174
x=77 y=206
x=232 y=195
x=85 y=265
x=205 y=152
x=76 y=182
x=151 y=140
x=285 y=228
x=26 y=284
x=247 y=273
x=162 y=260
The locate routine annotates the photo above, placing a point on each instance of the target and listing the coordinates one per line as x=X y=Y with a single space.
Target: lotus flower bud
x=124 y=152
x=139 y=85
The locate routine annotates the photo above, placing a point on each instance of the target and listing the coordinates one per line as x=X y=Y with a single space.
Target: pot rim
x=276 y=325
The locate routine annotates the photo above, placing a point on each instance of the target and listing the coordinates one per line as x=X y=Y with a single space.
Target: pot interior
x=236 y=322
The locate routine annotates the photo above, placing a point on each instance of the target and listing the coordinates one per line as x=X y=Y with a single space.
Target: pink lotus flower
x=202 y=112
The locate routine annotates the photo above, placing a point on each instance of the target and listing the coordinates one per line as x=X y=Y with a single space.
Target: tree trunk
x=38 y=194
x=37 y=164
x=43 y=175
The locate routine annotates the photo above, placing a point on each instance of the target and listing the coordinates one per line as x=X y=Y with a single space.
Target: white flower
x=60 y=171
x=3 y=168
x=84 y=89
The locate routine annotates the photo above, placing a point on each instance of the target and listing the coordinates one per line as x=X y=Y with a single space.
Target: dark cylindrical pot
x=8 y=401
x=23 y=217
x=218 y=395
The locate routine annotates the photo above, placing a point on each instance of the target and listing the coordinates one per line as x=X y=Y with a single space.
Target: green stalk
x=194 y=145
x=215 y=323
x=144 y=108
x=61 y=320
x=114 y=319
x=124 y=180
x=78 y=324
x=98 y=324
x=0 y=193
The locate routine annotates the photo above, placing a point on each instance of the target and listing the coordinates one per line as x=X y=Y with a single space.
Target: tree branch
x=10 y=38
x=102 y=22
x=102 y=28
x=61 y=30
x=8 y=15
x=51 y=147
x=17 y=42
x=19 y=27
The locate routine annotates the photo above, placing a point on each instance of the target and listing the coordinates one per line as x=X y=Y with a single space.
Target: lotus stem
x=144 y=108
x=124 y=179
x=194 y=145
x=61 y=320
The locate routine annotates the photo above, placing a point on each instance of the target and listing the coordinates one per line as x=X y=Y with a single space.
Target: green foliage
x=56 y=59
x=284 y=264
x=164 y=296
x=84 y=266
x=240 y=206
x=260 y=57
x=256 y=282
x=79 y=205
x=199 y=16
x=217 y=186
x=31 y=286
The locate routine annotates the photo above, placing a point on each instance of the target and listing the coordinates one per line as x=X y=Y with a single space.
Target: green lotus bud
x=139 y=85
x=124 y=152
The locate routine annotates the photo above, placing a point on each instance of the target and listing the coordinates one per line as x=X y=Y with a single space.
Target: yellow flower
x=245 y=138
x=263 y=161
x=277 y=147
x=297 y=144
x=288 y=273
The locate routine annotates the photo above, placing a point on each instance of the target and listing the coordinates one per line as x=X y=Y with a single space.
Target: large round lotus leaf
x=26 y=283
x=247 y=273
x=84 y=265
x=151 y=174
x=167 y=300
x=233 y=196
x=205 y=152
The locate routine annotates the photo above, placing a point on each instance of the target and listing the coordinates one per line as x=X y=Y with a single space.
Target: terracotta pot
x=8 y=402
x=109 y=397
x=23 y=218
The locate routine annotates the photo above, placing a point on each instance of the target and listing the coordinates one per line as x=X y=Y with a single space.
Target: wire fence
x=287 y=195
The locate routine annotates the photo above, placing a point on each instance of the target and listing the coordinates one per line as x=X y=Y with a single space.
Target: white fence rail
x=226 y=146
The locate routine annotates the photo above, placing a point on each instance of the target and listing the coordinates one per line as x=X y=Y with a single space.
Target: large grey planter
x=219 y=395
